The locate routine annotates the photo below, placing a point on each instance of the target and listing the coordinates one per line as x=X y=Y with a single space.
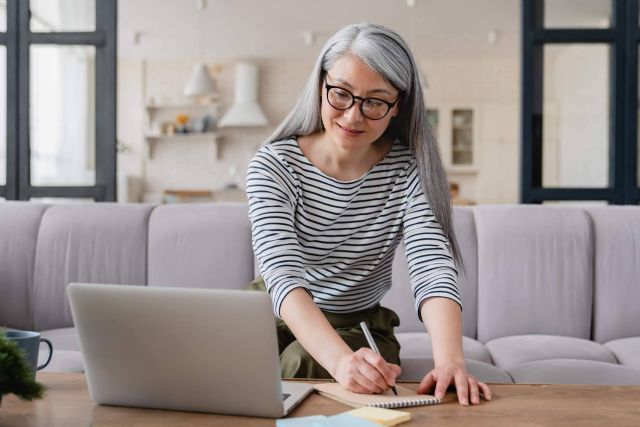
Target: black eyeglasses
x=372 y=108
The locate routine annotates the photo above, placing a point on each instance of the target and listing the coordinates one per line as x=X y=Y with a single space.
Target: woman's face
x=350 y=129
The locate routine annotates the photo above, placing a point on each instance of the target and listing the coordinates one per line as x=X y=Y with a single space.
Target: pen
x=373 y=346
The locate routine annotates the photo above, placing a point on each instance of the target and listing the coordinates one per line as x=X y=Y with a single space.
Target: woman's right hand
x=365 y=371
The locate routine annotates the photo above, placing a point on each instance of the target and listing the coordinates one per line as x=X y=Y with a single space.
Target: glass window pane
x=61 y=200
x=576 y=203
x=575 y=119
x=577 y=13
x=3 y=115
x=3 y=16
x=62 y=115
x=63 y=15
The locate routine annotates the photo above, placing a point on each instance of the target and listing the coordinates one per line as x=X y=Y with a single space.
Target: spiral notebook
x=405 y=397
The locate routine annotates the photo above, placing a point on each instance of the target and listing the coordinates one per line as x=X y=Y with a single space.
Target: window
x=59 y=58
x=580 y=101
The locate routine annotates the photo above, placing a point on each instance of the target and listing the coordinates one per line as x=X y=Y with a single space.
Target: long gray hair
x=385 y=52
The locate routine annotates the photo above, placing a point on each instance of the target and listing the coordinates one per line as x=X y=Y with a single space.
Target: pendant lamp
x=200 y=83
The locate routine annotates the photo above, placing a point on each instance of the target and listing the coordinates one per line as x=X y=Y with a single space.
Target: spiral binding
x=405 y=403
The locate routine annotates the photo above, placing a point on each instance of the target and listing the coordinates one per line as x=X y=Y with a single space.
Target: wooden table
x=67 y=403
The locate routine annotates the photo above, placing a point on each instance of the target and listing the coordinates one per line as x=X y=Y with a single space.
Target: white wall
x=490 y=87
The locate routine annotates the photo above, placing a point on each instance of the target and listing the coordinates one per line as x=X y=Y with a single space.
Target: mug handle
x=44 y=365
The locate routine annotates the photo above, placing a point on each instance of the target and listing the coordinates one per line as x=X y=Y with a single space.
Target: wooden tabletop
x=67 y=403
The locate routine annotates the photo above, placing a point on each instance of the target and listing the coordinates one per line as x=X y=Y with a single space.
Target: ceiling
x=177 y=29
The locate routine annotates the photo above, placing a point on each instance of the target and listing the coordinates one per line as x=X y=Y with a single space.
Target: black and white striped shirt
x=336 y=239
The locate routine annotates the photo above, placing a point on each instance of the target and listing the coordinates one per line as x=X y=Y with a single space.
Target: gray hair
x=385 y=52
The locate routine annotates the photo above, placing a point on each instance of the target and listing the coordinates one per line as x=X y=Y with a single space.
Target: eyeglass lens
x=370 y=108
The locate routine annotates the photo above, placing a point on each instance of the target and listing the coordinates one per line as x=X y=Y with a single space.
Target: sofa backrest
x=616 y=308
x=529 y=269
x=201 y=245
x=535 y=271
x=93 y=243
x=400 y=298
x=19 y=225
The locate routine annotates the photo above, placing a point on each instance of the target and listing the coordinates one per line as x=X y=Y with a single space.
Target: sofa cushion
x=535 y=267
x=19 y=225
x=65 y=361
x=511 y=351
x=617 y=272
x=201 y=246
x=572 y=371
x=62 y=339
x=414 y=370
x=92 y=243
x=400 y=299
x=418 y=345
x=627 y=351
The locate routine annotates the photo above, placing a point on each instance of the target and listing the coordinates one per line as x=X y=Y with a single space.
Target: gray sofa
x=550 y=294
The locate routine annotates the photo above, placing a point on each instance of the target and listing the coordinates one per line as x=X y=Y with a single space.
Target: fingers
x=427 y=383
x=367 y=372
x=441 y=386
x=374 y=376
x=468 y=389
x=473 y=391
x=387 y=372
x=486 y=391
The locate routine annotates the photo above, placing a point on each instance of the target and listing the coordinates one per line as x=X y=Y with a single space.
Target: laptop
x=184 y=349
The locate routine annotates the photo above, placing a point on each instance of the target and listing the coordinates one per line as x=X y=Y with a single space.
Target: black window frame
x=624 y=37
x=18 y=40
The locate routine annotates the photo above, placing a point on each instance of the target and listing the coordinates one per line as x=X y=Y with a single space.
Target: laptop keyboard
x=284 y=396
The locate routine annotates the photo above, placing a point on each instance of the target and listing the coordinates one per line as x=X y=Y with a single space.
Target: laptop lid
x=197 y=350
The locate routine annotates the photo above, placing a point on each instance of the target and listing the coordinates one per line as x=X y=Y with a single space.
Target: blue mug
x=30 y=343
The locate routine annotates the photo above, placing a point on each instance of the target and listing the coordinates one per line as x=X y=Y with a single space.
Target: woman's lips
x=350 y=132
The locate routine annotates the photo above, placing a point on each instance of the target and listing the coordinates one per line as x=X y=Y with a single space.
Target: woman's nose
x=354 y=114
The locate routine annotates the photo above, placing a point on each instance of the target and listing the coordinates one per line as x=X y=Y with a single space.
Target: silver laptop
x=183 y=349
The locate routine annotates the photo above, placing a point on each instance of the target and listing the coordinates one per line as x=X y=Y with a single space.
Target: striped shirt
x=336 y=239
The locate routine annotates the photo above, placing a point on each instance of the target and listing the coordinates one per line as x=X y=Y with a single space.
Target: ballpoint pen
x=373 y=346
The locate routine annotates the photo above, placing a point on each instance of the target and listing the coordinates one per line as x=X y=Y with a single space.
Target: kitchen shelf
x=212 y=137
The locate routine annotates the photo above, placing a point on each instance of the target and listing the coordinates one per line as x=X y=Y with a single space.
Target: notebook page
x=405 y=398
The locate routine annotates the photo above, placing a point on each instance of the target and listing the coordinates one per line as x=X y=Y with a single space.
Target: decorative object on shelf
x=201 y=83
x=454 y=189
x=205 y=123
x=16 y=376
x=173 y=120
x=182 y=120
x=245 y=110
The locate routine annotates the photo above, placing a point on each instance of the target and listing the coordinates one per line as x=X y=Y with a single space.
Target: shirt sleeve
x=271 y=192
x=431 y=268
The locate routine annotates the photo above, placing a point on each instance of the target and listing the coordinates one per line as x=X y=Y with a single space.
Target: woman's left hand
x=467 y=387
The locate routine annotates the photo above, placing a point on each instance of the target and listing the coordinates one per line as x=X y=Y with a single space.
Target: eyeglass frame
x=354 y=98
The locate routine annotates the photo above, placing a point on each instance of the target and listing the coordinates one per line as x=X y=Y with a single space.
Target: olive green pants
x=295 y=361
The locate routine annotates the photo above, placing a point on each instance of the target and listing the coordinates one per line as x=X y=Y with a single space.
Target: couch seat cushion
x=62 y=339
x=573 y=371
x=515 y=350
x=627 y=351
x=414 y=370
x=418 y=345
x=66 y=361
x=66 y=351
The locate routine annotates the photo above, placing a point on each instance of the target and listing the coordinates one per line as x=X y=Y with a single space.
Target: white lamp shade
x=200 y=82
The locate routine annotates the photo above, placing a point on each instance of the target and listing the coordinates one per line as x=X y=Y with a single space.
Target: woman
x=350 y=171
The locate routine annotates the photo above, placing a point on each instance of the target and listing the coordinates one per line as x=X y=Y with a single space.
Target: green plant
x=15 y=374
